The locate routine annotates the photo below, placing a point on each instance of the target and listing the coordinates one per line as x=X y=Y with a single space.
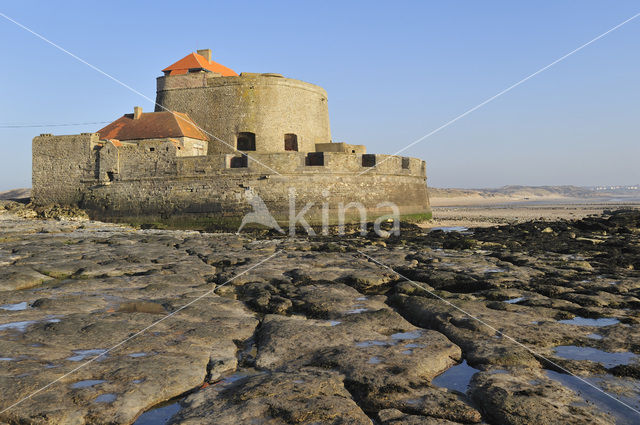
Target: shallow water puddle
x=159 y=415
x=357 y=310
x=23 y=325
x=622 y=414
x=456 y=377
x=372 y=343
x=496 y=270
x=15 y=307
x=235 y=377
x=573 y=352
x=105 y=398
x=583 y=321
x=448 y=229
x=374 y=360
x=82 y=354
x=136 y=355
x=17 y=326
x=515 y=300
x=594 y=336
x=87 y=383
x=407 y=335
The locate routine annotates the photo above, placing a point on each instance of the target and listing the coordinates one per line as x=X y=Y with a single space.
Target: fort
x=214 y=138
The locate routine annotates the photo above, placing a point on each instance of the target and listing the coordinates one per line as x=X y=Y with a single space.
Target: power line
x=50 y=125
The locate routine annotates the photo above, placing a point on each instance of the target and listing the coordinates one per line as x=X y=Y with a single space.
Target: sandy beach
x=477 y=211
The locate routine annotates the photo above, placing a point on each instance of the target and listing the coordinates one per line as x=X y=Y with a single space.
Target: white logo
x=262 y=216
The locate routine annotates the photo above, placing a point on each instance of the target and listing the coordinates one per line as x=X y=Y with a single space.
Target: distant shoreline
x=506 y=201
x=497 y=212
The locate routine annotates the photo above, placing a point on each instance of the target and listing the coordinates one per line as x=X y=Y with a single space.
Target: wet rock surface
x=105 y=324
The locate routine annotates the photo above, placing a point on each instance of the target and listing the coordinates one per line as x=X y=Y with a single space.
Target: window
x=152 y=149
x=239 y=162
x=368 y=160
x=246 y=141
x=290 y=142
x=110 y=176
x=315 y=159
x=405 y=163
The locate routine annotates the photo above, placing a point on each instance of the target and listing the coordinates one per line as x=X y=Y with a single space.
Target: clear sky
x=394 y=71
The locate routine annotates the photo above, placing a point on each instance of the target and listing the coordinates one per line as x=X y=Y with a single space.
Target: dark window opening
x=152 y=149
x=405 y=163
x=239 y=162
x=353 y=151
x=290 y=142
x=315 y=159
x=110 y=176
x=246 y=141
x=368 y=160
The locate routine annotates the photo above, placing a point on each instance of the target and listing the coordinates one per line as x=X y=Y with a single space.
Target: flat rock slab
x=318 y=333
x=90 y=289
x=526 y=397
x=304 y=397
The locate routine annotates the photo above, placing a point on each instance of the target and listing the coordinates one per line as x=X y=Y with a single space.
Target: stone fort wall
x=60 y=165
x=267 y=105
x=128 y=182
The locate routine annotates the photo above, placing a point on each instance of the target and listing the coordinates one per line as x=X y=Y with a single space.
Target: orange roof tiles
x=196 y=61
x=152 y=125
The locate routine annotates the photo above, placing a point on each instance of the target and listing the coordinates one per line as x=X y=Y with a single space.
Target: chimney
x=137 y=112
x=206 y=53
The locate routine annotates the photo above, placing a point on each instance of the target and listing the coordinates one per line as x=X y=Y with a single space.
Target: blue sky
x=394 y=71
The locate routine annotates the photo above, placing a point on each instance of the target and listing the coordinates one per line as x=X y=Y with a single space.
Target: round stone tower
x=265 y=113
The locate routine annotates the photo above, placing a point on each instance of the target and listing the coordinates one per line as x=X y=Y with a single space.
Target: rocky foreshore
x=534 y=323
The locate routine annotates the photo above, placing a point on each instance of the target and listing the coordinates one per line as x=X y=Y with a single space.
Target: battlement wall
x=126 y=181
x=139 y=162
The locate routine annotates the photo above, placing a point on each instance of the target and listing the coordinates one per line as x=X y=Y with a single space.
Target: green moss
x=417 y=218
x=207 y=224
x=232 y=223
x=55 y=274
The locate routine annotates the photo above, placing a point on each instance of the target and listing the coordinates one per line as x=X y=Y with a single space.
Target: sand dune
x=16 y=194
x=511 y=194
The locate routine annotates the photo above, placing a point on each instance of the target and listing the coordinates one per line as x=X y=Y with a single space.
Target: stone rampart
x=149 y=180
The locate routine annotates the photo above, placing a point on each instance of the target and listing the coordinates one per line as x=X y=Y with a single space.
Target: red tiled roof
x=152 y=125
x=196 y=61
